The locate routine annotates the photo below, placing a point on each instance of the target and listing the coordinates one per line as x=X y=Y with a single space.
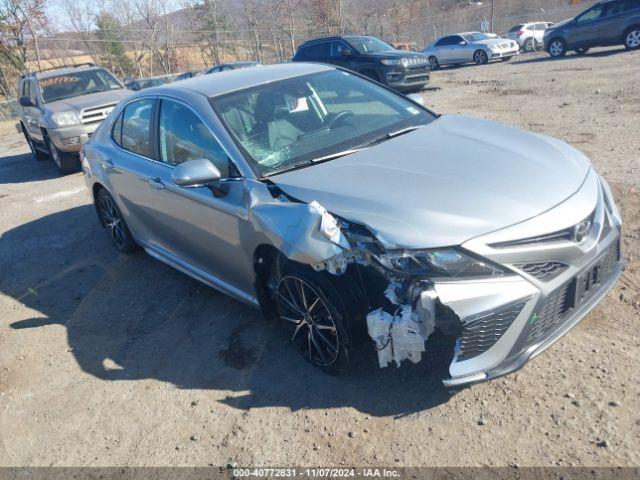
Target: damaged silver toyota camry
x=348 y=211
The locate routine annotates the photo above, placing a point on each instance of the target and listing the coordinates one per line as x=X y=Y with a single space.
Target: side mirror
x=346 y=53
x=26 y=102
x=416 y=97
x=462 y=43
x=195 y=173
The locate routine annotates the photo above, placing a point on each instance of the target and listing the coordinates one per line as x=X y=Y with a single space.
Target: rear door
x=444 y=49
x=586 y=33
x=131 y=164
x=612 y=25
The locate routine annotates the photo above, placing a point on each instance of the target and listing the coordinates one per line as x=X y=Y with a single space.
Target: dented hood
x=447 y=182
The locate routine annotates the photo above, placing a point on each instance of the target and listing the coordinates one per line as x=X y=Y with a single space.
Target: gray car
x=612 y=22
x=469 y=47
x=62 y=107
x=347 y=211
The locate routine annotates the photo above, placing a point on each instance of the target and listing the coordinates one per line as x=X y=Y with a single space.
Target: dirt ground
x=120 y=360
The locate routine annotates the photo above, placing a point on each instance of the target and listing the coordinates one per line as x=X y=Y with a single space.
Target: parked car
x=188 y=74
x=342 y=208
x=142 y=83
x=371 y=57
x=60 y=109
x=611 y=22
x=530 y=36
x=476 y=47
x=224 y=67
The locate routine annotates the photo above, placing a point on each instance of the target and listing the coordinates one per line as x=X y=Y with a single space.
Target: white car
x=530 y=36
x=476 y=47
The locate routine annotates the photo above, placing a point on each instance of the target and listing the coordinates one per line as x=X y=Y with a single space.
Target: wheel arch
x=352 y=296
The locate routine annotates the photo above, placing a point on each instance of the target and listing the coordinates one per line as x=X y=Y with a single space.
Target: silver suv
x=61 y=108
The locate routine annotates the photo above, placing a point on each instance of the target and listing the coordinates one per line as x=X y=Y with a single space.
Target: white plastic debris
x=403 y=336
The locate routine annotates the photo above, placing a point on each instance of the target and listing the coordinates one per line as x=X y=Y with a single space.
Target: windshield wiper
x=306 y=163
x=389 y=135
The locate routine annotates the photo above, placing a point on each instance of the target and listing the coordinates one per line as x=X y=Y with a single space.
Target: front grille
x=483 y=331
x=559 y=305
x=96 y=114
x=542 y=270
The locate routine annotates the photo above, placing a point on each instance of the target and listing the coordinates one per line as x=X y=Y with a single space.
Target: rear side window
x=517 y=28
x=136 y=127
x=443 y=42
x=317 y=51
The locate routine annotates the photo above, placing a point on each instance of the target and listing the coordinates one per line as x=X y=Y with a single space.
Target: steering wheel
x=339 y=117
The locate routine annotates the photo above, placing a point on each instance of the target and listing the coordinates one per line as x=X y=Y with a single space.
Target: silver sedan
x=475 y=47
x=347 y=211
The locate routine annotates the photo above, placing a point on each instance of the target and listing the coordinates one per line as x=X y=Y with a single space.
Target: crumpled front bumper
x=507 y=321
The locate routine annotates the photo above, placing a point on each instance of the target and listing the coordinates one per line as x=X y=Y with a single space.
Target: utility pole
x=492 y=15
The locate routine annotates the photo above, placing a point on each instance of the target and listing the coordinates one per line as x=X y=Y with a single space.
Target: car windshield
x=475 y=37
x=365 y=45
x=76 y=83
x=297 y=121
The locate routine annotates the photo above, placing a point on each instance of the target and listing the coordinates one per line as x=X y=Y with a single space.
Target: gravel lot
x=120 y=360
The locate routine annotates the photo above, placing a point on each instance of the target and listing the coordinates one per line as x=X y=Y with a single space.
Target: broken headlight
x=445 y=262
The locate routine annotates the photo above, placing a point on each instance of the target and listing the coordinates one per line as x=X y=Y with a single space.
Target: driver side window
x=589 y=15
x=183 y=137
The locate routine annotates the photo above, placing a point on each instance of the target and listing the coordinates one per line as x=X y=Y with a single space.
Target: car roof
x=233 y=80
x=63 y=71
x=335 y=37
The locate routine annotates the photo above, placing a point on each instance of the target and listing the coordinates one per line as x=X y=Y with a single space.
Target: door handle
x=155 y=182
x=107 y=164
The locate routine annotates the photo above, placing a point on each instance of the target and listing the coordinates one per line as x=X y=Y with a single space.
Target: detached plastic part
x=402 y=337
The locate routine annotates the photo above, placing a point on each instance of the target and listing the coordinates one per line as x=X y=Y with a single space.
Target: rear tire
x=632 y=38
x=582 y=51
x=112 y=220
x=313 y=316
x=530 y=45
x=66 y=162
x=480 y=57
x=557 y=48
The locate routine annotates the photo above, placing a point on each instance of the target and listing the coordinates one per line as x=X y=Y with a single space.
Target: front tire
x=480 y=57
x=632 y=38
x=37 y=154
x=557 y=48
x=66 y=162
x=112 y=220
x=312 y=315
x=433 y=63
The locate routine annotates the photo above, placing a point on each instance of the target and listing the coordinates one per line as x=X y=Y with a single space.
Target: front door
x=585 y=32
x=193 y=223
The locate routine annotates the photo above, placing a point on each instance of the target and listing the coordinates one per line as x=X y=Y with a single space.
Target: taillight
x=520 y=33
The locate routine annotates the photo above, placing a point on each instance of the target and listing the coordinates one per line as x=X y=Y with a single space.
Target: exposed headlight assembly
x=442 y=262
x=62 y=119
